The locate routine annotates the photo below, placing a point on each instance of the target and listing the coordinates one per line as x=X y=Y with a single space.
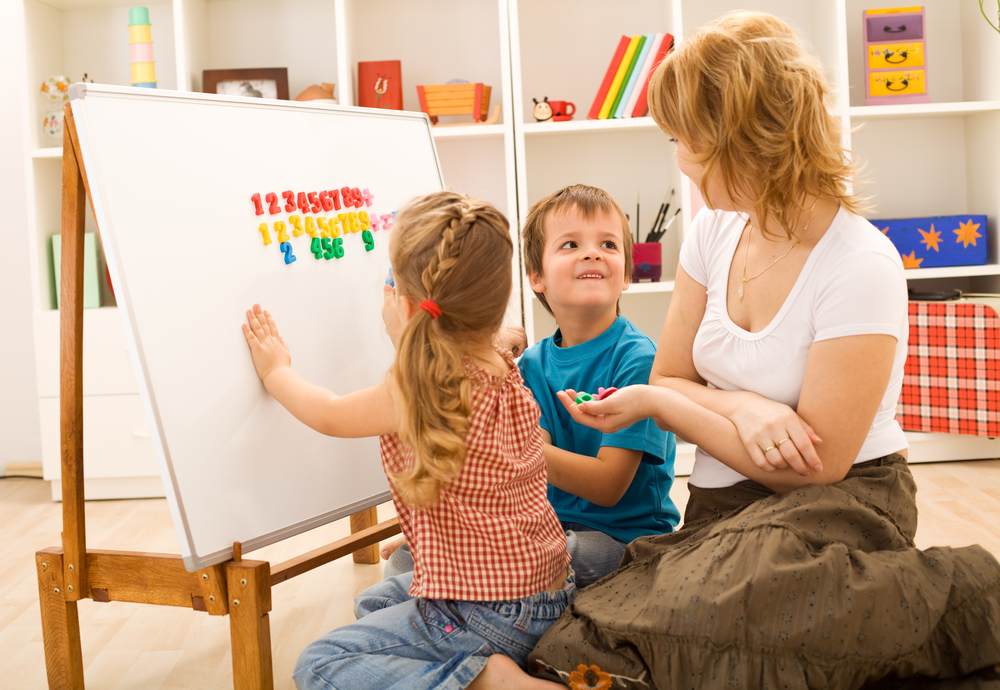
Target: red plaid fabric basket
x=951 y=380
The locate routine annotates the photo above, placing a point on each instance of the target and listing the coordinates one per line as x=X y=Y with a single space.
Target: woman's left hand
x=776 y=437
x=622 y=409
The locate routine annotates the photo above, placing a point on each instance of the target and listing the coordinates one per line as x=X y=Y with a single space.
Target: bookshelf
x=930 y=159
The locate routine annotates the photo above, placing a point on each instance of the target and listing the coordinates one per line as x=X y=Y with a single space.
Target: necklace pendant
x=739 y=294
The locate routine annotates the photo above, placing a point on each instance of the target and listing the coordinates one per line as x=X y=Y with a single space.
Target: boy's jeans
x=400 y=641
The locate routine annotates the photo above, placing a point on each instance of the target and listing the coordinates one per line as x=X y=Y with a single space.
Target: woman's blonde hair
x=755 y=109
x=588 y=202
x=456 y=251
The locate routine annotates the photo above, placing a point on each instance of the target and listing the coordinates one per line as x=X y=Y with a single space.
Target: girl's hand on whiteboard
x=390 y=314
x=268 y=349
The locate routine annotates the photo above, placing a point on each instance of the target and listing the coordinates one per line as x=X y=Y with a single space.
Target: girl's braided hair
x=456 y=251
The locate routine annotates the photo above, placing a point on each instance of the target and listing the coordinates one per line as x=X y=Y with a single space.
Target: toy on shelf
x=458 y=99
x=55 y=93
x=318 y=94
x=140 y=44
x=542 y=110
x=895 y=56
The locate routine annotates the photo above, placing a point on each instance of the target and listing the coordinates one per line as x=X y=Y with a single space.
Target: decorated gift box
x=938 y=240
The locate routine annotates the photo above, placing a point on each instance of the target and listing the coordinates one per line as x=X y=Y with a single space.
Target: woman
x=795 y=566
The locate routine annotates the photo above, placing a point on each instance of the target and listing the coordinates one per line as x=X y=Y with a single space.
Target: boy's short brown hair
x=588 y=201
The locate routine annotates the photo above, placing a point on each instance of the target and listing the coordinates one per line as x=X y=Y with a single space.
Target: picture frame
x=268 y=82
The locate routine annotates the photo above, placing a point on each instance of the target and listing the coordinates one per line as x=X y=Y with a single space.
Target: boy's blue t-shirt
x=619 y=357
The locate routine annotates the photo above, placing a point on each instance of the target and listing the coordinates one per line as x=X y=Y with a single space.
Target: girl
x=462 y=449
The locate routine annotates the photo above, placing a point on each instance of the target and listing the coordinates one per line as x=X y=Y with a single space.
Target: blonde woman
x=462 y=448
x=782 y=359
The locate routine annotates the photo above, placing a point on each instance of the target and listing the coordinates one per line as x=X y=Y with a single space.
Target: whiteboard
x=172 y=176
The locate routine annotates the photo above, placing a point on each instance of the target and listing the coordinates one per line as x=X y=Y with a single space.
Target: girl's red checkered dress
x=493 y=534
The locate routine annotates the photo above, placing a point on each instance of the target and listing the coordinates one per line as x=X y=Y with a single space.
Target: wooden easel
x=239 y=588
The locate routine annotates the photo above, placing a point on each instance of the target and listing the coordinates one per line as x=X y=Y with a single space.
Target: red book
x=380 y=84
x=641 y=106
x=609 y=77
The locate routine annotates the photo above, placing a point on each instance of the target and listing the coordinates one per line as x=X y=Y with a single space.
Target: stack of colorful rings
x=141 y=48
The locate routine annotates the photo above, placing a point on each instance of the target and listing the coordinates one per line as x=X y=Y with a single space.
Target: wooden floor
x=129 y=646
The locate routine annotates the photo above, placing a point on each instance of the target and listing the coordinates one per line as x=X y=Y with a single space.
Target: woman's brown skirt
x=819 y=587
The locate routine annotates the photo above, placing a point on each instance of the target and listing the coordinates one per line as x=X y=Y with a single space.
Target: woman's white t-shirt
x=851 y=284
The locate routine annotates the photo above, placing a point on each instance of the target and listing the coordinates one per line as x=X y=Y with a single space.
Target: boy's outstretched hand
x=268 y=349
x=623 y=409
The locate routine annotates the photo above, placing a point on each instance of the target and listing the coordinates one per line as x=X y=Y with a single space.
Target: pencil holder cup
x=647 y=261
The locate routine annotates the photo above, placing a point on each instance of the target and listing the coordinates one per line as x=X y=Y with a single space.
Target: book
x=642 y=105
x=609 y=76
x=629 y=83
x=616 y=84
x=380 y=84
x=643 y=74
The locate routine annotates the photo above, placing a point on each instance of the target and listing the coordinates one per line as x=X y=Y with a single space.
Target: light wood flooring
x=136 y=647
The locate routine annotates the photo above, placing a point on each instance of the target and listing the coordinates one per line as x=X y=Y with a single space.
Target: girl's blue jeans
x=400 y=641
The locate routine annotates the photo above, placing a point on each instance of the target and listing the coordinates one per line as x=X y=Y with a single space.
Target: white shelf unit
x=919 y=160
x=943 y=157
x=436 y=41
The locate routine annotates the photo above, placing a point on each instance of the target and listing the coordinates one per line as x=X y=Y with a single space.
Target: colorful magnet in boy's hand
x=388 y=279
x=583 y=397
x=602 y=393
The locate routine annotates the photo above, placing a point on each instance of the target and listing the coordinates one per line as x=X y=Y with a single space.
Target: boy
x=607 y=489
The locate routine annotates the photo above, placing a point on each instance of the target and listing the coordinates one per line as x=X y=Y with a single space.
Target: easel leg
x=249 y=585
x=60 y=625
x=361 y=521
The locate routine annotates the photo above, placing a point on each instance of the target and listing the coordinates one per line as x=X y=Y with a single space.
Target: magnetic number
x=314 y=204
x=289 y=197
x=258 y=209
x=369 y=240
x=335 y=199
x=326 y=248
x=366 y=221
x=325 y=201
x=279 y=227
x=273 y=207
x=265 y=232
x=334 y=227
x=286 y=247
x=297 y=224
x=324 y=227
x=303 y=202
x=310 y=226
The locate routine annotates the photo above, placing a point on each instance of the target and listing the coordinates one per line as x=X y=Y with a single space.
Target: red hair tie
x=431 y=307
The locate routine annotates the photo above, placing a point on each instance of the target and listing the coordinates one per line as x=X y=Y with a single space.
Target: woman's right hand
x=776 y=437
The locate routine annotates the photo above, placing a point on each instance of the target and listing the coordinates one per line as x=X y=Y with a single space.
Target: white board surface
x=171 y=177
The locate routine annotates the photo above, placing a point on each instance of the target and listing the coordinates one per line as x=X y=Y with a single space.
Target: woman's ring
x=769 y=448
x=781 y=441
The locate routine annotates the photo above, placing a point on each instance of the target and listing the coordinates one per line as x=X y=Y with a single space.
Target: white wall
x=20 y=439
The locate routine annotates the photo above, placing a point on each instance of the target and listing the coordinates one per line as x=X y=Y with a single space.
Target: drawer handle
x=890 y=82
x=890 y=30
x=141 y=434
x=902 y=54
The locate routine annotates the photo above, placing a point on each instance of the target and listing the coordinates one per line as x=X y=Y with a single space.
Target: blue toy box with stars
x=938 y=240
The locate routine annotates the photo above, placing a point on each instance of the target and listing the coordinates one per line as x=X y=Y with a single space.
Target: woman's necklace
x=739 y=293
